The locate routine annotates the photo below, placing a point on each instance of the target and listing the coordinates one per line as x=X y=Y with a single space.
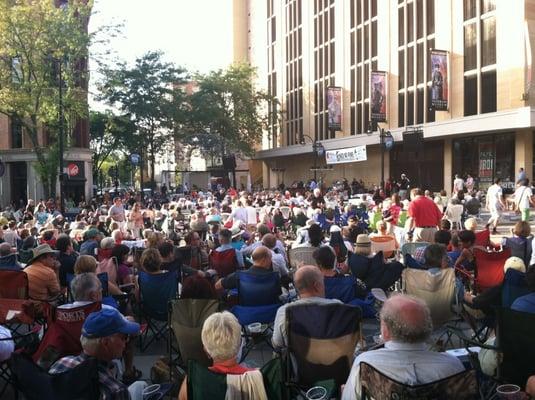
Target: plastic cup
x=151 y=392
x=255 y=327
x=509 y=392
x=316 y=393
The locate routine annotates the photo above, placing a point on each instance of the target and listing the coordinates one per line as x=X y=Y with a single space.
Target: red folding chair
x=483 y=238
x=62 y=338
x=14 y=285
x=489 y=268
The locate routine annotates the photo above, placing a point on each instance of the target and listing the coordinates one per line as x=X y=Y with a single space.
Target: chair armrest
x=469 y=341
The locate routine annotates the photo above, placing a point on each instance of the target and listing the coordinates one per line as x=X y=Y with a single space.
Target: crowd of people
x=203 y=239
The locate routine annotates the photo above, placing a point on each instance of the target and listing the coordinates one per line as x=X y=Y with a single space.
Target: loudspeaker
x=413 y=142
x=229 y=163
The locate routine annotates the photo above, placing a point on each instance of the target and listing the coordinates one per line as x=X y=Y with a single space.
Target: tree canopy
x=37 y=41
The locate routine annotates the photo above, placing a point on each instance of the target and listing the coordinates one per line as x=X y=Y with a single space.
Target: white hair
x=221 y=336
x=90 y=345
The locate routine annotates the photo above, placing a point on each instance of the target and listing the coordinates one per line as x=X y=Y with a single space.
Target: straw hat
x=363 y=242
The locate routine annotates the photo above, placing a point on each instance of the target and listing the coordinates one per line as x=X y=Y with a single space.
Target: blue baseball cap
x=107 y=322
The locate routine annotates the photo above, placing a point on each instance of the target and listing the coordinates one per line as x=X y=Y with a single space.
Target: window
x=479 y=56
x=271 y=71
x=414 y=69
x=16 y=134
x=365 y=61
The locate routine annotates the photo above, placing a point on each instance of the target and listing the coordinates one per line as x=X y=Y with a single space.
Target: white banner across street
x=347 y=155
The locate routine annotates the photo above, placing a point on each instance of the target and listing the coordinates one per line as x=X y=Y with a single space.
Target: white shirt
x=409 y=363
x=251 y=215
x=494 y=194
x=6 y=346
x=522 y=196
x=458 y=184
x=240 y=214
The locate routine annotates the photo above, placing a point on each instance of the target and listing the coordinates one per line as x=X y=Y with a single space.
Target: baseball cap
x=107 y=322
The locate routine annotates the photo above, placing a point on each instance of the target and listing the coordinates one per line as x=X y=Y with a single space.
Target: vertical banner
x=486 y=164
x=334 y=107
x=378 y=97
x=439 y=80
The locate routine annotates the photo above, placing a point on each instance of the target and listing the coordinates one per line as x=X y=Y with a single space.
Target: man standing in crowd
x=495 y=204
x=403 y=186
x=425 y=217
x=405 y=326
x=458 y=184
x=117 y=212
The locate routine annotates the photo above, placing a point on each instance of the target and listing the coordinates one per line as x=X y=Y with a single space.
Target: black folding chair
x=80 y=383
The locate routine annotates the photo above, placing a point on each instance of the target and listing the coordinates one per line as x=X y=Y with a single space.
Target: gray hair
x=90 y=345
x=434 y=255
x=402 y=327
x=221 y=336
x=83 y=284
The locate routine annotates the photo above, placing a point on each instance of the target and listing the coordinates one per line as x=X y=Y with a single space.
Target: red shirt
x=424 y=212
x=234 y=370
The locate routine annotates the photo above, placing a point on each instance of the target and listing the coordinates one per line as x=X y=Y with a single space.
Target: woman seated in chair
x=382 y=231
x=521 y=242
x=197 y=287
x=221 y=338
x=151 y=260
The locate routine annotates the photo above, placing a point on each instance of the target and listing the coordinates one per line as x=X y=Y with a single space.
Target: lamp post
x=61 y=174
x=386 y=141
x=318 y=149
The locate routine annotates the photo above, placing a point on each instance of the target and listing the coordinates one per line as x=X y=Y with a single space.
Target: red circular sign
x=72 y=169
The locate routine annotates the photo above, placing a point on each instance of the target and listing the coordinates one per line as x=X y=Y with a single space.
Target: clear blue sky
x=196 y=34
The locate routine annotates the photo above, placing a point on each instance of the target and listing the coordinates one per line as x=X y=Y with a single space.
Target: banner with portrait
x=334 y=108
x=439 y=80
x=378 y=96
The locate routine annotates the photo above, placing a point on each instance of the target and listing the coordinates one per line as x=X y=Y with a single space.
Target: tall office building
x=458 y=72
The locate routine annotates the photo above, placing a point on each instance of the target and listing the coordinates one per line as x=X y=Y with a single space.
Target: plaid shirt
x=110 y=388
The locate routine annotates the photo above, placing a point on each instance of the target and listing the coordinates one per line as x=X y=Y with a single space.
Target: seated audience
x=326 y=260
x=278 y=261
x=221 y=338
x=521 y=242
x=310 y=286
x=42 y=270
x=405 y=327
x=92 y=239
x=67 y=257
x=196 y=287
x=8 y=259
x=225 y=259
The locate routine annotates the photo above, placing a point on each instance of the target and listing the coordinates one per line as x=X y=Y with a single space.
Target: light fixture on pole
x=317 y=149
x=386 y=141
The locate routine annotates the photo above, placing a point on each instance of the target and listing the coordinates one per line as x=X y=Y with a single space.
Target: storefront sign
x=378 y=99
x=347 y=155
x=75 y=170
x=334 y=107
x=439 y=80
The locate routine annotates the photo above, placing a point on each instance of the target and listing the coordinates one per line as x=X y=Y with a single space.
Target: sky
x=195 y=34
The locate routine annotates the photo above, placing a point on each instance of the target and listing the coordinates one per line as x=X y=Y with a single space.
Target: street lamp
x=317 y=149
x=386 y=141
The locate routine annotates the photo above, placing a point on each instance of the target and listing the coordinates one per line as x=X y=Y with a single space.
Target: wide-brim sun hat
x=40 y=251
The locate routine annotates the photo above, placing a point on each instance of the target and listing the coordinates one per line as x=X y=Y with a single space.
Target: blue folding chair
x=514 y=286
x=156 y=291
x=345 y=289
x=258 y=301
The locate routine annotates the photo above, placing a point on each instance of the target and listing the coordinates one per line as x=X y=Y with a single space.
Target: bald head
x=262 y=257
x=405 y=319
x=308 y=281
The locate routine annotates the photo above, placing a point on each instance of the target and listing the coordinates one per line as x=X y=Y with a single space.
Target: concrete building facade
x=301 y=47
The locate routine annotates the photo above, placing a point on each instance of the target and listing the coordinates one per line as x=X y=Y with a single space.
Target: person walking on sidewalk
x=495 y=204
x=425 y=217
x=523 y=199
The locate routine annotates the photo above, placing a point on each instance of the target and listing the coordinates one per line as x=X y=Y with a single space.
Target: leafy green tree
x=38 y=41
x=150 y=94
x=226 y=113
x=110 y=135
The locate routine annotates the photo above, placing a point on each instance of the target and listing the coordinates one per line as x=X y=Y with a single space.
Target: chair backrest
x=224 y=262
x=514 y=286
x=285 y=211
x=13 y=285
x=483 y=238
x=436 y=290
x=301 y=256
x=341 y=288
x=516 y=340
x=376 y=385
x=520 y=247
x=322 y=339
x=156 y=290
x=62 y=337
x=455 y=213
x=386 y=244
x=410 y=248
x=258 y=289
x=102 y=277
x=187 y=317
x=79 y=383
x=205 y=384
x=489 y=267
